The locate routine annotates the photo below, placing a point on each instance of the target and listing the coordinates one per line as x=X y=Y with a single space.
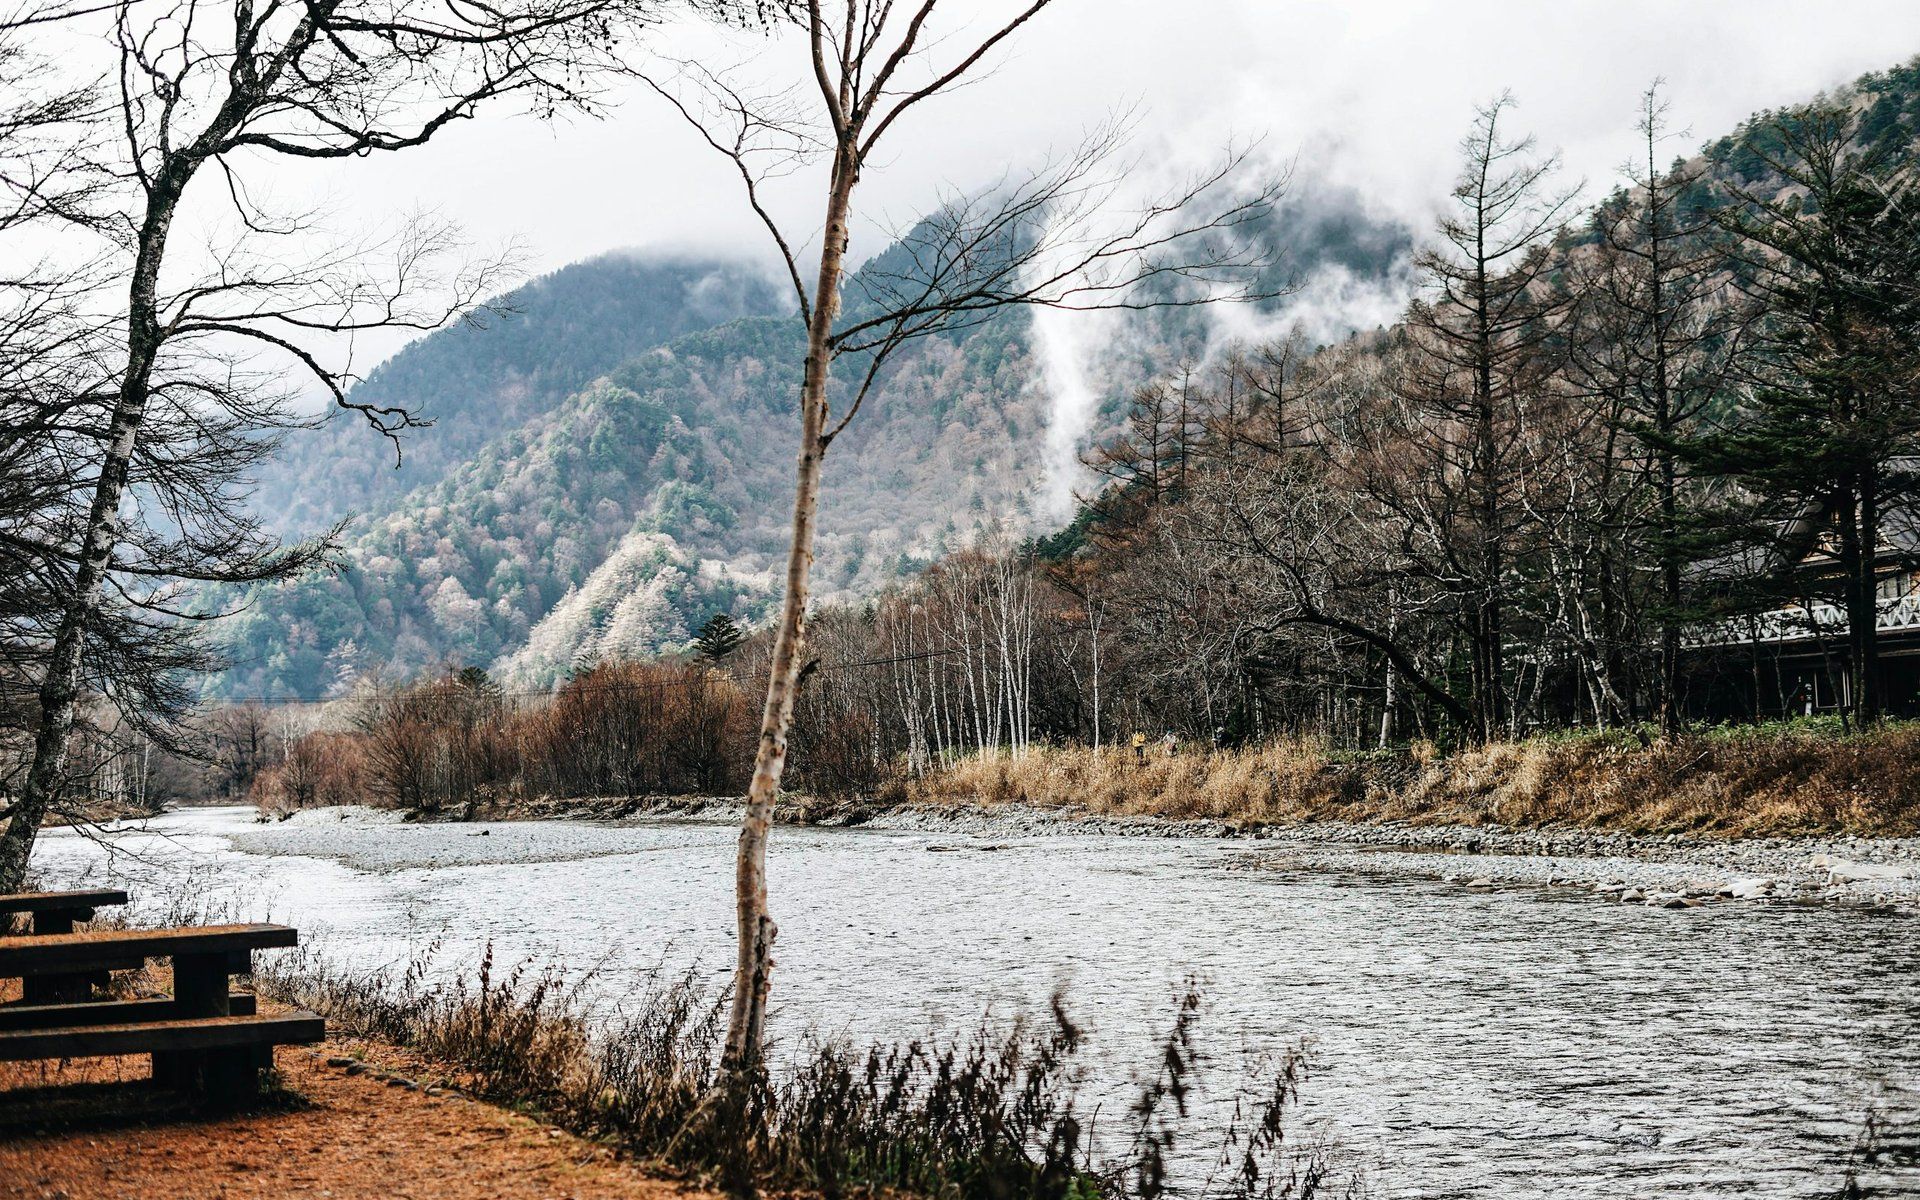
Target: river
x=1513 y=1044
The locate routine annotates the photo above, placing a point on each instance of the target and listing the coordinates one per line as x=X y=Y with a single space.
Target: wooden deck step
x=39 y=902
x=162 y=1037
x=106 y=1012
x=115 y=949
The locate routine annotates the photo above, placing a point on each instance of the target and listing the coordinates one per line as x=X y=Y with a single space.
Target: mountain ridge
x=526 y=554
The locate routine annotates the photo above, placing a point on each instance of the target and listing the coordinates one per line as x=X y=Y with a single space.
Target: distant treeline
x=454 y=741
x=1695 y=407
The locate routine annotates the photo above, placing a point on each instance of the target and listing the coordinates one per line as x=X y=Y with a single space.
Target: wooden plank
x=105 y=1012
x=39 y=902
x=161 y=1037
x=108 y=949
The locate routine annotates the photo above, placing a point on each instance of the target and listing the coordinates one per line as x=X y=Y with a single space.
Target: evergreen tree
x=1820 y=457
x=718 y=638
x=1481 y=344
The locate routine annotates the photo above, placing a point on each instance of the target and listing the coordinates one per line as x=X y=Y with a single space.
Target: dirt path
x=348 y=1133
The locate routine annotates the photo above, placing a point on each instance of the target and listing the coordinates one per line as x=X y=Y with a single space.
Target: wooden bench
x=205 y=1038
x=58 y=912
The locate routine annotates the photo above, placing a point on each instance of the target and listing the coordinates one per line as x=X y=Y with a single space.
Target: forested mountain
x=513 y=362
x=553 y=531
x=549 y=535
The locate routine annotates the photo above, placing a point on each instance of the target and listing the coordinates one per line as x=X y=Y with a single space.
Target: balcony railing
x=1800 y=623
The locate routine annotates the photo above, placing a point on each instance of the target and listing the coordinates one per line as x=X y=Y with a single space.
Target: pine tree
x=1821 y=455
x=1656 y=348
x=1480 y=346
x=718 y=638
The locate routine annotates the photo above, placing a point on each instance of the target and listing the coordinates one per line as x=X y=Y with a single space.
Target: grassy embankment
x=1806 y=777
x=994 y=1115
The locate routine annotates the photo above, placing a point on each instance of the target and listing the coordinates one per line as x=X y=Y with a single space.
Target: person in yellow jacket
x=1140 y=747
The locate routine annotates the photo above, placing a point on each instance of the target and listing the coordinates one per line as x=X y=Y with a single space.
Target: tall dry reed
x=989 y=1116
x=1785 y=779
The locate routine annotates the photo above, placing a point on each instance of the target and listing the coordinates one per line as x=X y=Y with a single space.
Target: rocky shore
x=1879 y=875
x=1668 y=871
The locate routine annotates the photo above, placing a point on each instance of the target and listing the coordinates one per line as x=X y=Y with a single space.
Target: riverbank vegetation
x=1806 y=777
x=999 y=1113
x=460 y=747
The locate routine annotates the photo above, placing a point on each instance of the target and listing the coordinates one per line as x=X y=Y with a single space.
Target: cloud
x=1390 y=83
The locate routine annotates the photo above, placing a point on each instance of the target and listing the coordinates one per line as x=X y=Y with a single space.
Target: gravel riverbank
x=1879 y=875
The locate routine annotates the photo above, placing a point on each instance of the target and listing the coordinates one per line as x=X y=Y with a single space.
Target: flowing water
x=1525 y=1044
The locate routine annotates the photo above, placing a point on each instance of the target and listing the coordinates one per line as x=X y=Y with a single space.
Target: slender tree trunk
x=1489 y=623
x=60 y=686
x=1864 y=620
x=756 y=929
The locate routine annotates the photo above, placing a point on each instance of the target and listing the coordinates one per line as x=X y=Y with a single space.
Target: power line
x=575 y=686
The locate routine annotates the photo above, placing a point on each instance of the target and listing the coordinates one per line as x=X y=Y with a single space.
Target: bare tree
x=1034 y=240
x=1478 y=345
x=1658 y=342
x=208 y=90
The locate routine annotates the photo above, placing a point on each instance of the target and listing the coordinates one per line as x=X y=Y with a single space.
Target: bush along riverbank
x=994 y=1114
x=1808 y=778
x=1803 y=812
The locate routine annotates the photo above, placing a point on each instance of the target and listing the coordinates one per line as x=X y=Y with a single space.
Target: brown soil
x=342 y=1129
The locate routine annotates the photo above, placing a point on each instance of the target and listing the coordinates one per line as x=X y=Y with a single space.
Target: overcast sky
x=1373 y=93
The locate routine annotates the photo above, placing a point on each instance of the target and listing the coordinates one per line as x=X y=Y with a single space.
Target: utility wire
x=622 y=686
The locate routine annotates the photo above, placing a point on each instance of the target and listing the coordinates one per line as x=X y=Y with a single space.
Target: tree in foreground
x=1048 y=238
x=203 y=95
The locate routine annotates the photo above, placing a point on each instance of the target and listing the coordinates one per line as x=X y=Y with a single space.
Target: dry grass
x=1793 y=779
x=992 y=1115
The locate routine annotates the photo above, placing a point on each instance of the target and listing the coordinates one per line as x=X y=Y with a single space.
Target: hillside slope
x=530 y=350
x=614 y=520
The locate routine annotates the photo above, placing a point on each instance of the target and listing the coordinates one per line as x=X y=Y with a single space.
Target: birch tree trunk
x=60 y=686
x=755 y=926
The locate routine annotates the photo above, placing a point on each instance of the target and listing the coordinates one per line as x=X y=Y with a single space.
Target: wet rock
x=1841 y=870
